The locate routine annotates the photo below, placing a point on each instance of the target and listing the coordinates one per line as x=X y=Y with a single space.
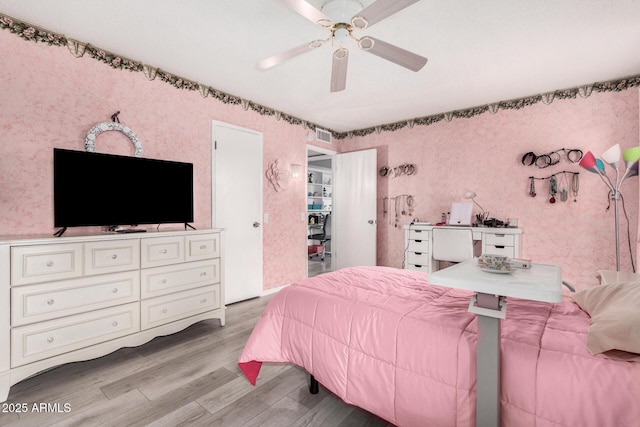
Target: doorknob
x=256 y=224
x=371 y=221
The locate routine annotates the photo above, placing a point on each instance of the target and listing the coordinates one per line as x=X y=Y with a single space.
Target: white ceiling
x=479 y=52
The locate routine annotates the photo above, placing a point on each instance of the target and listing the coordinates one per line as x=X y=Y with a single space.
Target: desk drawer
x=43 y=263
x=164 y=280
x=418 y=258
x=423 y=268
x=500 y=239
x=508 y=251
x=168 y=308
x=111 y=256
x=158 y=251
x=37 y=303
x=419 y=235
x=47 y=339
x=418 y=246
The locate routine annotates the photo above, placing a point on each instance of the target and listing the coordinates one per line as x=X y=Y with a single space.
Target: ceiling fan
x=341 y=18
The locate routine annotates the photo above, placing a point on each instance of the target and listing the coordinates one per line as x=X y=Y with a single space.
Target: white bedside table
x=541 y=282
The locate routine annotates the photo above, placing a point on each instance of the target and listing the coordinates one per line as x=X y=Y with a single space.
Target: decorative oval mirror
x=97 y=129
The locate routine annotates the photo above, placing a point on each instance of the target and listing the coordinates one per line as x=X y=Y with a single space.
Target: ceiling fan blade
x=339 y=70
x=306 y=10
x=395 y=54
x=382 y=9
x=274 y=60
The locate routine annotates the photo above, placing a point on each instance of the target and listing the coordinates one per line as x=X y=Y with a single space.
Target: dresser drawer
x=43 y=263
x=418 y=258
x=37 y=303
x=111 y=256
x=202 y=246
x=499 y=239
x=163 y=280
x=46 y=339
x=159 y=251
x=419 y=234
x=418 y=246
x=168 y=308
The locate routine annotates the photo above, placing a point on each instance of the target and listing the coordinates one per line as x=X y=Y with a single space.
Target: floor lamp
x=612 y=158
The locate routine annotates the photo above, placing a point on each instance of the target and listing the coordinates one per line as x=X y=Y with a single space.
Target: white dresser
x=418 y=244
x=76 y=298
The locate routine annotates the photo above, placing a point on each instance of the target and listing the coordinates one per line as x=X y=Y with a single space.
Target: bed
x=388 y=341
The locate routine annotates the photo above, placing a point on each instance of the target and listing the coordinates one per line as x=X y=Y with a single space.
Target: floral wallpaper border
x=78 y=49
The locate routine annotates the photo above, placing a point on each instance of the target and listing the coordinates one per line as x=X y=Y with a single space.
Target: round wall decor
x=98 y=128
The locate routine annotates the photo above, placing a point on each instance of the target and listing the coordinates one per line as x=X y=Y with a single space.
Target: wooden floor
x=189 y=378
x=317 y=266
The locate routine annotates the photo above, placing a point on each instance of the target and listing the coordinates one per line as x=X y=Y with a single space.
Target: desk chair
x=323 y=237
x=452 y=245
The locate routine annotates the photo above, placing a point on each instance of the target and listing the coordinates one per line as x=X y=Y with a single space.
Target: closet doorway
x=319 y=192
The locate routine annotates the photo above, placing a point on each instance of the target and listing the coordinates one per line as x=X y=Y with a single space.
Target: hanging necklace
x=532 y=187
x=565 y=184
x=553 y=188
x=575 y=185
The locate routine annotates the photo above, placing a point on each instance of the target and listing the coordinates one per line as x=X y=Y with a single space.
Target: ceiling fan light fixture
x=316 y=44
x=340 y=34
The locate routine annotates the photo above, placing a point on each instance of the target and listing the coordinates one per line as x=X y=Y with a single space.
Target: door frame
x=332 y=154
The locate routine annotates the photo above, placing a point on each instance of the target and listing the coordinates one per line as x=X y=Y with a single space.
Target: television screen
x=91 y=189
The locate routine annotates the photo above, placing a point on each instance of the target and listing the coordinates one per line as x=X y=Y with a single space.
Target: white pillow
x=615 y=317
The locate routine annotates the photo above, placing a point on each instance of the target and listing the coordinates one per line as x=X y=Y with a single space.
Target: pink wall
x=50 y=99
x=484 y=154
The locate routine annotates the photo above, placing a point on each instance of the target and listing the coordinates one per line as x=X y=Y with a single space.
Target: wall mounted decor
x=114 y=125
x=405 y=169
x=573 y=155
x=274 y=178
x=563 y=185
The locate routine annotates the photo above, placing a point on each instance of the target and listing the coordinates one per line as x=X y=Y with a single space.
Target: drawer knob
x=164 y=311
x=204 y=273
x=115 y=323
x=203 y=301
x=50 y=340
x=203 y=247
x=50 y=264
x=50 y=301
x=114 y=290
x=114 y=256
x=163 y=281
x=164 y=251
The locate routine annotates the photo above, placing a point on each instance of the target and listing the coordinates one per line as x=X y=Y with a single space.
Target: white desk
x=418 y=244
x=542 y=282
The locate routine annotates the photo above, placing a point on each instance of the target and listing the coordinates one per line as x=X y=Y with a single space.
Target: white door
x=237 y=207
x=354 y=203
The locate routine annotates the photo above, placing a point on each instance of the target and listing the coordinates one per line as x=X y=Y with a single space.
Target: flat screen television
x=92 y=189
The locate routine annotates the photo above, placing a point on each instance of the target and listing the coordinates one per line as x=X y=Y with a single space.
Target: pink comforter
x=388 y=341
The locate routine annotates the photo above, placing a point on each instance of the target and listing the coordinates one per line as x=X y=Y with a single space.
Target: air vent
x=323 y=135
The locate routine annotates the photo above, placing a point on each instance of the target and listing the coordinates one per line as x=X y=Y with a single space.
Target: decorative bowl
x=494 y=262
